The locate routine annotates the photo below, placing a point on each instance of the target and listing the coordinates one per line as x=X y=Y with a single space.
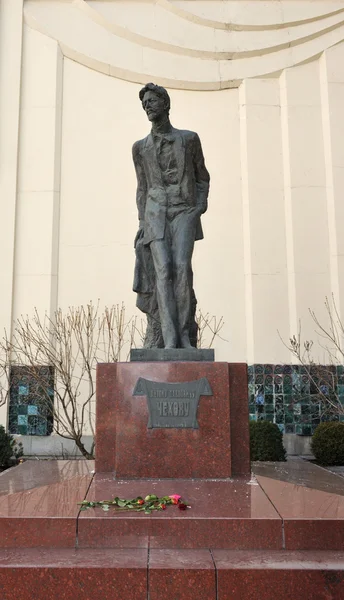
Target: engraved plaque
x=172 y=405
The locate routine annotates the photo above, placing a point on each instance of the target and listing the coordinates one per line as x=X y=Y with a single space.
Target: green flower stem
x=147 y=505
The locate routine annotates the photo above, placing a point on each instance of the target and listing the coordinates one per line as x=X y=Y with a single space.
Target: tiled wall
x=28 y=410
x=282 y=394
x=288 y=396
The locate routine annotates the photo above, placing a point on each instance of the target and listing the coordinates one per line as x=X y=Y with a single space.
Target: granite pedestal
x=276 y=532
x=215 y=445
x=229 y=545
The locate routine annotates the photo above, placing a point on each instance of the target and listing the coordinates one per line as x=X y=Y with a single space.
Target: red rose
x=140 y=501
x=182 y=506
x=163 y=506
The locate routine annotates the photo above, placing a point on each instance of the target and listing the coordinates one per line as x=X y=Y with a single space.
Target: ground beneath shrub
x=337 y=470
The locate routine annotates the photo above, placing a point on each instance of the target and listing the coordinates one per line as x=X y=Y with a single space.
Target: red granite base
x=182 y=574
x=45 y=532
x=38 y=503
x=229 y=545
x=283 y=575
x=223 y=514
x=311 y=502
x=240 y=435
x=73 y=575
x=127 y=447
x=105 y=574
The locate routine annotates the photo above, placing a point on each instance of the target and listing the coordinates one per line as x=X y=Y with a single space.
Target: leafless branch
x=70 y=343
x=323 y=378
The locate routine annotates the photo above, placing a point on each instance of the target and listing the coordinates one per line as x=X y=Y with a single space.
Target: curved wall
x=272 y=140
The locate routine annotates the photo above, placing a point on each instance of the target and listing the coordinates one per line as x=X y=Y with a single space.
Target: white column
x=305 y=196
x=11 y=18
x=266 y=293
x=38 y=205
x=332 y=102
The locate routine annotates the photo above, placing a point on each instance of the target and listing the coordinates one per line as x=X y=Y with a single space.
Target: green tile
x=298 y=429
x=253 y=417
x=305 y=399
x=306 y=430
x=37 y=426
x=23 y=390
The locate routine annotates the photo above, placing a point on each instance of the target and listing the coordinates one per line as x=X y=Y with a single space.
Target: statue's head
x=155 y=101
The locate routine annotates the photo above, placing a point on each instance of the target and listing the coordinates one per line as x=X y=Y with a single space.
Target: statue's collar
x=162 y=128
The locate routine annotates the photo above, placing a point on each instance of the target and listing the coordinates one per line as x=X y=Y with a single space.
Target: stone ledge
x=172 y=354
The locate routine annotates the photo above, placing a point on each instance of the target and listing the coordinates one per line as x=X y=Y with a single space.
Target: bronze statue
x=172 y=193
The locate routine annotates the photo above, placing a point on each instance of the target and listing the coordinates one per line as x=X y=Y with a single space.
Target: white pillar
x=38 y=205
x=266 y=293
x=11 y=19
x=332 y=102
x=305 y=197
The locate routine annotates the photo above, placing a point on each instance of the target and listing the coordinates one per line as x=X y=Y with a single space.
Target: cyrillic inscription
x=172 y=405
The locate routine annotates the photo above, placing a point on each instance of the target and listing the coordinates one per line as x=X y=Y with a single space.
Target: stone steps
x=278 y=534
x=165 y=574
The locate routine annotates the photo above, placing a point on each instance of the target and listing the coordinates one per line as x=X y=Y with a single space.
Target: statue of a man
x=172 y=193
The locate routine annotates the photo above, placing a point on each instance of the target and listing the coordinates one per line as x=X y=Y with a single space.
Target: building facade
x=262 y=82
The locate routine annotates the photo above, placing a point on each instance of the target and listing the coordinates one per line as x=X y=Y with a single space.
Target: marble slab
x=129 y=448
x=73 y=574
x=38 y=502
x=265 y=575
x=310 y=500
x=182 y=574
x=224 y=514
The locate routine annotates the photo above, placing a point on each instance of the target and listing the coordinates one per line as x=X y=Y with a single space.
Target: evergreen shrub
x=10 y=451
x=328 y=443
x=266 y=441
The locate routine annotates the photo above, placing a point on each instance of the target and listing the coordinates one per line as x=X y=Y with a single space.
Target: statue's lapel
x=179 y=154
x=152 y=159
